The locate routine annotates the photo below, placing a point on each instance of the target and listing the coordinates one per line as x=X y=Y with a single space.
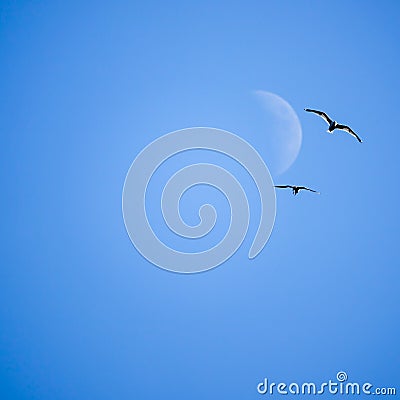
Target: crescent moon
x=283 y=134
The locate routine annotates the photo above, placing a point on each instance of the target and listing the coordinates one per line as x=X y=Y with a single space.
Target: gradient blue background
x=84 y=87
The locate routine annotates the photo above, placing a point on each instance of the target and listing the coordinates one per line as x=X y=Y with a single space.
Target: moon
x=283 y=133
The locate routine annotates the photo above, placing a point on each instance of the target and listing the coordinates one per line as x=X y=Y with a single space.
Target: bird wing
x=349 y=130
x=306 y=188
x=283 y=186
x=323 y=115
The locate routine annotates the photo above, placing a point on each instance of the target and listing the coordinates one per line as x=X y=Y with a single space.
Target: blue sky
x=84 y=87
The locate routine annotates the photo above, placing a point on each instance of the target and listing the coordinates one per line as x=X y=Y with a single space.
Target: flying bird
x=333 y=124
x=295 y=189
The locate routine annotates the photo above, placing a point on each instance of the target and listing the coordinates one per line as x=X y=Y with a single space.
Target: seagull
x=333 y=124
x=295 y=189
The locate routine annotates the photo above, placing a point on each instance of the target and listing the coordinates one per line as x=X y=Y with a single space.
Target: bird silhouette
x=295 y=189
x=333 y=124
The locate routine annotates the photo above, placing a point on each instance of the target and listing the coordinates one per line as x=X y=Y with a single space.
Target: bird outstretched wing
x=306 y=188
x=349 y=130
x=323 y=115
x=283 y=186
